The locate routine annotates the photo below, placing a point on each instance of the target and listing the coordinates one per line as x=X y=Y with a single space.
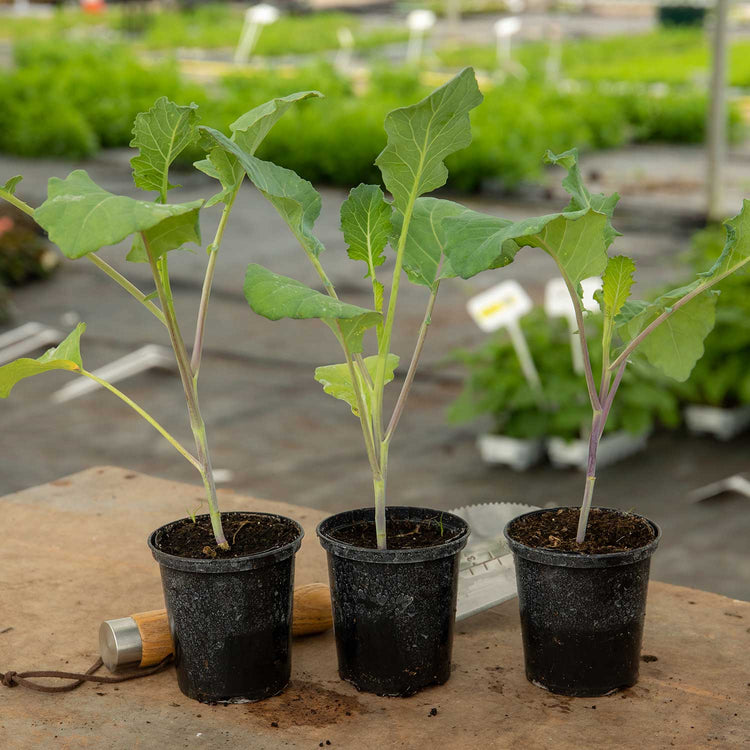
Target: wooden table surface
x=74 y=553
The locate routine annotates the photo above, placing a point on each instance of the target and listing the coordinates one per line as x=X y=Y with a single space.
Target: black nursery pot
x=230 y=619
x=393 y=610
x=582 y=615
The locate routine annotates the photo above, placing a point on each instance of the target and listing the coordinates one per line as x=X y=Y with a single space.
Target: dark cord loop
x=15 y=679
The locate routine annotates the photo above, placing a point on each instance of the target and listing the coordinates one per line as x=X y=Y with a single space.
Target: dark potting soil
x=400 y=534
x=606 y=531
x=248 y=534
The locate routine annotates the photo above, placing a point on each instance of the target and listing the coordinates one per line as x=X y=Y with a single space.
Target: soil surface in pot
x=606 y=531
x=400 y=534
x=248 y=534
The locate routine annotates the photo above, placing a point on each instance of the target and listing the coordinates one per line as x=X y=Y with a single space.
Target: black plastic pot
x=581 y=615
x=230 y=619
x=393 y=610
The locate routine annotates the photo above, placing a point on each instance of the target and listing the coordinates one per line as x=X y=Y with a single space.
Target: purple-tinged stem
x=598 y=423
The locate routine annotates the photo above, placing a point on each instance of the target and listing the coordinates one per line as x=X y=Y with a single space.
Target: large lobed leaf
x=580 y=197
x=161 y=135
x=577 y=238
x=296 y=200
x=66 y=356
x=421 y=136
x=81 y=217
x=274 y=297
x=677 y=343
x=336 y=380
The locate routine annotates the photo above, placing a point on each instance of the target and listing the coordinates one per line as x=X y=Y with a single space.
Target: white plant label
x=506 y=27
x=420 y=20
x=499 y=306
x=557 y=302
x=262 y=14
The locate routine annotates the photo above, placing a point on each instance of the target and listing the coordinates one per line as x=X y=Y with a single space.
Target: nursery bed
x=74 y=553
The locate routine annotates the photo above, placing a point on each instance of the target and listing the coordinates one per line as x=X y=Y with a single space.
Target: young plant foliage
x=82 y=217
x=668 y=332
x=420 y=137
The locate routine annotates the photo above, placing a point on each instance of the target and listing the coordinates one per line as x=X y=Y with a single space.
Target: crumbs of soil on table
x=307 y=704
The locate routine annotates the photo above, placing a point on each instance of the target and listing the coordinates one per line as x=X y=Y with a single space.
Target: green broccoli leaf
x=296 y=200
x=161 y=135
x=421 y=136
x=11 y=185
x=616 y=284
x=66 y=356
x=425 y=262
x=677 y=343
x=336 y=380
x=366 y=224
x=81 y=217
x=274 y=297
x=248 y=132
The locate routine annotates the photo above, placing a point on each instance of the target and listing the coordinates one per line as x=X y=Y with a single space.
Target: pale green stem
x=196 y=421
x=379 y=484
x=364 y=414
x=195 y=361
x=360 y=363
x=411 y=372
x=384 y=345
x=169 y=438
x=606 y=347
x=127 y=286
x=17 y=202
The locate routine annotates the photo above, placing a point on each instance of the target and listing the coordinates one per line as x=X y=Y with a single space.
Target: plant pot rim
x=369 y=555
x=229 y=564
x=577 y=559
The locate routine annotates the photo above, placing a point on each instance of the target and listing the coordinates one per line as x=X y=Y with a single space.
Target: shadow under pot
x=582 y=614
x=394 y=609
x=230 y=617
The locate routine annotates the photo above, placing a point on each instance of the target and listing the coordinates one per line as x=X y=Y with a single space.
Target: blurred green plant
x=495 y=387
x=210 y=26
x=674 y=56
x=96 y=89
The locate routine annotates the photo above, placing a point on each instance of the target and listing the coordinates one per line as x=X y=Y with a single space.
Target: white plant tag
x=499 y=306
x=557 y=302
x=420 y=20
x=262 y=14
x=507 y=26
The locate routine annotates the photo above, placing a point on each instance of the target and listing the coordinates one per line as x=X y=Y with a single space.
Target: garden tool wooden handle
x=144 y=638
